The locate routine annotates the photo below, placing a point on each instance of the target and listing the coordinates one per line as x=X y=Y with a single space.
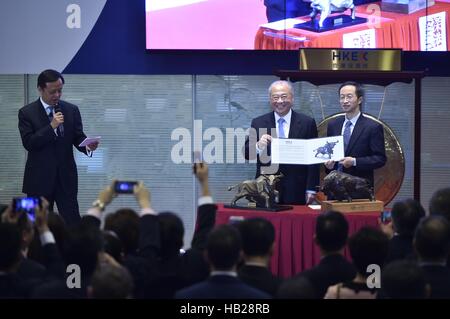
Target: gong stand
x=382 y=78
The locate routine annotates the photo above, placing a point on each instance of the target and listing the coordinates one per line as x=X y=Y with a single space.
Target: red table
x=295 y=250
x=395 y=31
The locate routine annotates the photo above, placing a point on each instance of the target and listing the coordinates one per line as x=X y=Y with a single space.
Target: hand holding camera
x=26 y=205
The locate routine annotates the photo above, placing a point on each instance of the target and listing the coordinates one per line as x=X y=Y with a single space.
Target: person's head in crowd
x=171 y=230
x=331 y=232
x=351 y=97
x=368 y=246
x=113 y=246
x=50 y=84
x=10 y=247
x=59 y=230
x=403 y=279
x=125 y=224
x=432 y=239
x=223 y=248
x=297 y=288
x=111 y=282
x=258 y=236
x=440 y=203
x=281 y=97
x=406 y=215
x=82 y=248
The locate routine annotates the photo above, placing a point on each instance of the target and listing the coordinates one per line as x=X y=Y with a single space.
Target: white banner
x=433 y=35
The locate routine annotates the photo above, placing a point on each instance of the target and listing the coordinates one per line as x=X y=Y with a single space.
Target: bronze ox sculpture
x=342 y=186
x=327 y=7
x=260 y=191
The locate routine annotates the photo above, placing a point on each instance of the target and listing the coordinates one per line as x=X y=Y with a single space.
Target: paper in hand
x=90 y=140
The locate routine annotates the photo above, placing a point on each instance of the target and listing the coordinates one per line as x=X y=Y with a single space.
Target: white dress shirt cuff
x=47 y=238
x=205 y=200
x=147 y=211
x=94 y=211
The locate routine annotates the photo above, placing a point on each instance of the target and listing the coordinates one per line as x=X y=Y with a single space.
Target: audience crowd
x=139 y=254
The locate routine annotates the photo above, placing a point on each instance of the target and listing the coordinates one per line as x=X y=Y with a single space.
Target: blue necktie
x=50 y=113
x=347 y=135
x=281 y=128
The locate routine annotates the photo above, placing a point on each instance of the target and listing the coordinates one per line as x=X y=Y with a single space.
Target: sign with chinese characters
x=368 y=59
x=432 y=29
x=364 y=39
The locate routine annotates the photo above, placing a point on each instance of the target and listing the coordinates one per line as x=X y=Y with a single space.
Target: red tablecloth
x=295 y=250
x=396 y=31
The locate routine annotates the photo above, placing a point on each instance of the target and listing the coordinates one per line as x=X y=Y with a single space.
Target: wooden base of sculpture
x=357 y=205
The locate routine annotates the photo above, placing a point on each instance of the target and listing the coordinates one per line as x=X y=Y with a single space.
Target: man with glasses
x=363 y=138
x=298 y=185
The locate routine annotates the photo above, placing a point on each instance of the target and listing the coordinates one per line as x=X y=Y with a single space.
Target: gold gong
x=389 y=178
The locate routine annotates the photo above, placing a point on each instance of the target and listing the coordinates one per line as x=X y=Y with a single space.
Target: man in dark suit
x=258 y=237
x=299 y=182
x=431 y=242
x=331 y=237
x=49 y=127
x=223 y=250
x=283 y=9
x=364 y=145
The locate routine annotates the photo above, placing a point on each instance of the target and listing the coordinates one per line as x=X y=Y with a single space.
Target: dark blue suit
x=366 y=145
x=50 y=170
x=297 y=178
x=221 y=287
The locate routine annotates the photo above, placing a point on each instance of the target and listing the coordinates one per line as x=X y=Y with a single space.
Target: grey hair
x=281 y=82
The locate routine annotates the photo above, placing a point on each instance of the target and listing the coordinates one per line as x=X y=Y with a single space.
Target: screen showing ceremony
x=413 y=25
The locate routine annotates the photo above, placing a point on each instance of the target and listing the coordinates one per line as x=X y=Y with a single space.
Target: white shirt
x=286 y=123
x=353 y=120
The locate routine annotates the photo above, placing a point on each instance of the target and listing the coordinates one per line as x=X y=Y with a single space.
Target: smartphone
x=386 y=217
x=124 y=187
x=27 y=205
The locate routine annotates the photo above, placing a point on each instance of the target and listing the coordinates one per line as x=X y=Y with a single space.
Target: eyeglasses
x=283 y=97
x=348 y=97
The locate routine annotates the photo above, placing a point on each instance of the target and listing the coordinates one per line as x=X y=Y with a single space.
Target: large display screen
x=286 y=24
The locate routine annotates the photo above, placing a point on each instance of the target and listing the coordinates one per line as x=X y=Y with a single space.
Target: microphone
x=57 y=109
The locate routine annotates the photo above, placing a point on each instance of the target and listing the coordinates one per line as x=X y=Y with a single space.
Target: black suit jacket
x=260 y=278
x=400 y=247
x=366 y=145
x=50 y=156
x=439 y=279
x=297 y=178
x=221 y=287
x=331 y=270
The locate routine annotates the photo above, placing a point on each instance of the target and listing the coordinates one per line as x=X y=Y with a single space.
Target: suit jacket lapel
x=270 y=124
x=296 y=127
x=357 y=131
x=41 y=112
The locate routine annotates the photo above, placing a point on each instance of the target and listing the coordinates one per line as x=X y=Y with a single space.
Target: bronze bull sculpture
x=260 y=191
x=342 y=186
x=327 y=149
x=327 y=7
